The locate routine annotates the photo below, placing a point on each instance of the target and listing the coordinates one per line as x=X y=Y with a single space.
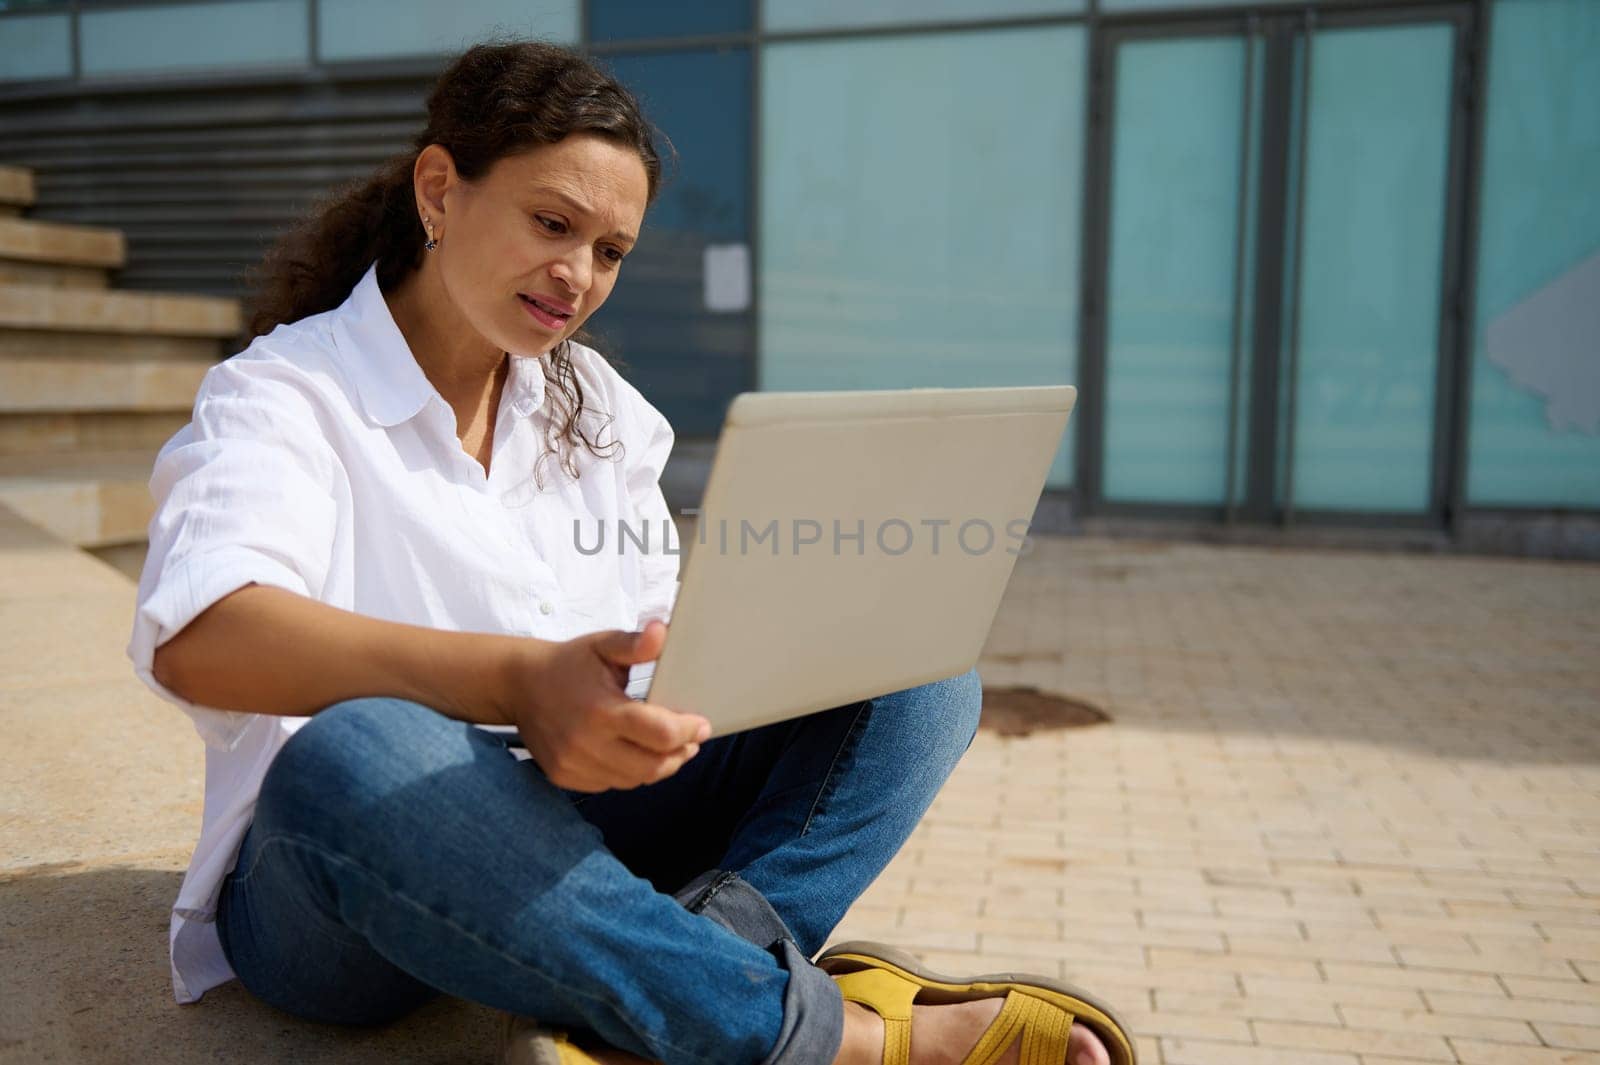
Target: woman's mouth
x=547 y=313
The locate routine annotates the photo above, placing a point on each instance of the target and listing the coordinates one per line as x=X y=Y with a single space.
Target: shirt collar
x=390 y=386
x=525 y=383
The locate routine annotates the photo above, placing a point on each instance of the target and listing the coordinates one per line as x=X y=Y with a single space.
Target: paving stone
x=1528 y=1009
x=1255 y=1006
x=1478 y=1052
x=1176 y=1051
x=1570 y=1036
x=1503 y=1031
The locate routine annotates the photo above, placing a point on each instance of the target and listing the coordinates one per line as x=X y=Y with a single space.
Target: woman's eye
x=554 y=225
x=613 y=255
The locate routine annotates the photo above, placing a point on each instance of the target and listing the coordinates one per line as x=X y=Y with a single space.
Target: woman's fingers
x=622 y=765
x=599 y=751
x=655 y=728
x=622 y=648
x=632 y=766
x=584 y=731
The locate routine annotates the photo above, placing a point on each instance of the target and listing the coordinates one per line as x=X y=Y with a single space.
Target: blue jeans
x=396 y=853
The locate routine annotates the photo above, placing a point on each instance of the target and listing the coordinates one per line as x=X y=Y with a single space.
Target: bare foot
x=944 y=1035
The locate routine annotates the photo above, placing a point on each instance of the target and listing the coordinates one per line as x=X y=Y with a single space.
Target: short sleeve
x=648 y=443
x=245 y=493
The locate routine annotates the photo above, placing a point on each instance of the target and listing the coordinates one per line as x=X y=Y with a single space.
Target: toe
x=1085 y=1048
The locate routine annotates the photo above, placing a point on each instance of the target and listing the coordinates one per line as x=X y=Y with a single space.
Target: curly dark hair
x=494 y=100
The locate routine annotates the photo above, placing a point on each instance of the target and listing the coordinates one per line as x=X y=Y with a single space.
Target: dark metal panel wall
x=201 y=179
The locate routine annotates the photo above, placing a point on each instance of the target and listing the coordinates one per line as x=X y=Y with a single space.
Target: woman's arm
x=267 y=650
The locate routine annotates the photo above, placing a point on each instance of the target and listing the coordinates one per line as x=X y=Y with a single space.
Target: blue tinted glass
x=920 y=211
x=618 y=20
x=1369 y=287
x=35 y=46
x=827 y=14
x=1535 y=421
x=1148 y=5
x=194 y=36
x=1171 y=327
x=372 y=29
x=679 y=317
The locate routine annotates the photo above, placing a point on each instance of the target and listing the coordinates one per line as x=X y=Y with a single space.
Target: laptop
x=851 y=544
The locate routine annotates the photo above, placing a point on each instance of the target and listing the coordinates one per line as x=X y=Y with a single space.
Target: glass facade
x=1534 y=420
x=779 y=15
x=33 y=47
x=918 y=226
x=1257 y=243
x=624 y=20
x=222 y=35
x=374 y=29
x=681 y=318
x=1120 y=6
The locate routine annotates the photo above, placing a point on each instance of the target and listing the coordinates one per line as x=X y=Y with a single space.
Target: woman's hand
x=569 y=706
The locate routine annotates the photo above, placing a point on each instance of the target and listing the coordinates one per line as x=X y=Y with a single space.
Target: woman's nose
x=575 y=269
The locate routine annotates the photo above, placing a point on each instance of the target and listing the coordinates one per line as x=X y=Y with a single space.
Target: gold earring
x=430 y=243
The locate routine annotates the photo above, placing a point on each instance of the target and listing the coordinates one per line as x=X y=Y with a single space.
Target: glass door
x=1178 y=263
x=1273 y=228
x=1364 y=276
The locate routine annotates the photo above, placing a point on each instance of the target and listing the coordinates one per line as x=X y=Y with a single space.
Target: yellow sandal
x=524 y=1041
x=1038 y=1010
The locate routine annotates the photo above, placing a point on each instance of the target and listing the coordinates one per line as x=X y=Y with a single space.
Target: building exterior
x=1321 y=266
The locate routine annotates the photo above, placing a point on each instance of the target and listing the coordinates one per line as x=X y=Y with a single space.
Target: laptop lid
x=851 y=544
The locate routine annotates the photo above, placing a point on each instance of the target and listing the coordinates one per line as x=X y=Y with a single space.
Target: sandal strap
x=1042 y=1026
x=890 y=997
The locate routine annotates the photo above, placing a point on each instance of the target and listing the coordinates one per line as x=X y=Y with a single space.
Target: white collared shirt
x=321 y=459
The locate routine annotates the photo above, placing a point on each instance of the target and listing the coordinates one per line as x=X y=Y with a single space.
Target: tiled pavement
x=1348 y=810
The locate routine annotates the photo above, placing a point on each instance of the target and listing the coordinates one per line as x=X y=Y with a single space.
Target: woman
x=363 y=548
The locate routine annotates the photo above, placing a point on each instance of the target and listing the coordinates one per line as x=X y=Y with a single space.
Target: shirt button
x=546 y=607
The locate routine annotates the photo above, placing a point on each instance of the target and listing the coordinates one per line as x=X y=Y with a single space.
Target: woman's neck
x=465 y=368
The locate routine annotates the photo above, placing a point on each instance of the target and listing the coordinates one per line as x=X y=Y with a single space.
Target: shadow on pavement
x=84 y=957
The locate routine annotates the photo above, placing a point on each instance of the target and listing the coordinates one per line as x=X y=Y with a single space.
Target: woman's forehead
x=580 y=166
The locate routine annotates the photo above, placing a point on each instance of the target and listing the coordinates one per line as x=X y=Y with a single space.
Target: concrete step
x=16 y=190
x=21 y=273
x=66 y=344
x=63 y=431
x=126 y=559
x=42 y=384
x=91 y=499
x=52 y=253
x=56 y=309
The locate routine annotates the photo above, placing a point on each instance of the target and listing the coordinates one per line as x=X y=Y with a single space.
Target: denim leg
x=793 y=821
x=812 y=859
x=395 y=851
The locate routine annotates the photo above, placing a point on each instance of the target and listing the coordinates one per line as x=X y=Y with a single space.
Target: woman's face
x=530 y=250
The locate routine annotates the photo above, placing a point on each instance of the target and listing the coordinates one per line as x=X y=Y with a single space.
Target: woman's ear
x=433 y=175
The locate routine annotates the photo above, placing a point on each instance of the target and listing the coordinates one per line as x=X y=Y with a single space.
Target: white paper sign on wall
x=727 y=277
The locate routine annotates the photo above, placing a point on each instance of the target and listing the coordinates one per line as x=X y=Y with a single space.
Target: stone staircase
x=92 y=381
